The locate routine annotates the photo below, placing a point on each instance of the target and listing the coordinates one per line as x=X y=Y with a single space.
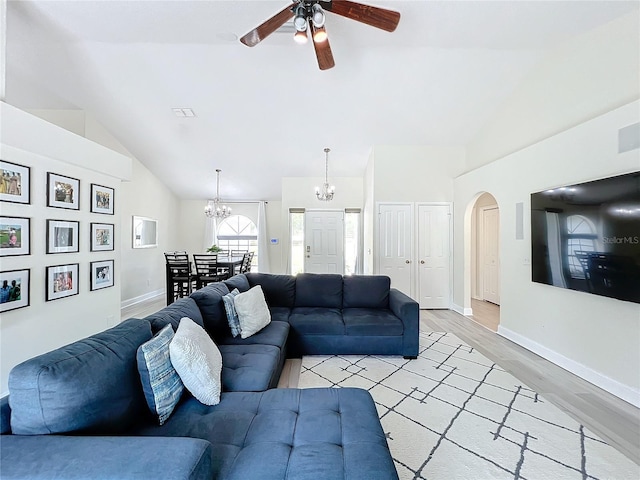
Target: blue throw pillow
x=161 y=383
x=232 y=315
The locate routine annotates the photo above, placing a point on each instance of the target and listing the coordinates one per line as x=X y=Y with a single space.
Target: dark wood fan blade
x=262 y=31
x=374 y=16
x=323 y=54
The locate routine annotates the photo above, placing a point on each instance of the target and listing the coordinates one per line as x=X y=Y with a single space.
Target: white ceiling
x=267 y=112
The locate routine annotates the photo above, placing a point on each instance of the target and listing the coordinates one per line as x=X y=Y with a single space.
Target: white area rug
x=454 y=414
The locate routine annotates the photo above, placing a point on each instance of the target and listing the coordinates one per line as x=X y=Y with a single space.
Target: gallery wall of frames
x=79 y=217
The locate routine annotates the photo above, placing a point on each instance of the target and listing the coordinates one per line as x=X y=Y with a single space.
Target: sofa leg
x=410 y=357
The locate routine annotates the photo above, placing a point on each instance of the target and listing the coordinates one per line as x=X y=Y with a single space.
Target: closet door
x=395 y=229
x=434 y=256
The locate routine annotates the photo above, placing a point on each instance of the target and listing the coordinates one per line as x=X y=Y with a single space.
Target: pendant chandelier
x=214 y=208
x=326 y=194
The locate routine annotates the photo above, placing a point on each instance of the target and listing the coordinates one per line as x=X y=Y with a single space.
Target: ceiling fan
x=309 y=17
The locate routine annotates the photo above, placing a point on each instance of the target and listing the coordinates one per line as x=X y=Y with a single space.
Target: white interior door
x=490 y=248
x=434 y=254
x=324 y=241
x=394 y=245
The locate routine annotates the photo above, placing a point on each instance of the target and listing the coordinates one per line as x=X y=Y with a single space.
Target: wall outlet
x=148 y=282
x=526 y=261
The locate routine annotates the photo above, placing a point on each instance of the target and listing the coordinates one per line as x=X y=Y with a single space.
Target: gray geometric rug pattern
x=454 y=414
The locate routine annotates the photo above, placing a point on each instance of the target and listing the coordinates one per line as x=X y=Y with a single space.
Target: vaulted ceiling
x=268 y=111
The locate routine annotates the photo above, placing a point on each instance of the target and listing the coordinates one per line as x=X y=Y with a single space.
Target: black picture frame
x=101 y=274
x=15 y=236
x=23 y=281
x=102 y=199
x=17 y=188
x=63 y=236
x=102 y=238
x=62 y=281
x=63 y=191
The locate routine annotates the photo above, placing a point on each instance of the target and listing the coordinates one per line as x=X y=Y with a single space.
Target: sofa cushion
x=209 y=301
x=280 y=314
x=232 y=314
x=238 y=281
x=253 y=312
x=5 y=415
x=366 y=291
x=319 y=290
x=371 y=321
x=311 y=434
x=276 y=334
x=44 y=391
x=161 y=383
x=50 y=457
x=249 y=368
x=279 y=290
x=317 y=320
x=183 y=307
x=198 y=361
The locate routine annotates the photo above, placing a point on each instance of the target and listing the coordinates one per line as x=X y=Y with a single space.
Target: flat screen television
x=586 y=237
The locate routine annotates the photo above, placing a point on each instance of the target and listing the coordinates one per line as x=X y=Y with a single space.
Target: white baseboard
x=620 y=390
x=467 y=312
x=141 y=298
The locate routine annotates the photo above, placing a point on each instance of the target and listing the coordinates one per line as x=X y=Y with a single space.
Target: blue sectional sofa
x=80 y=412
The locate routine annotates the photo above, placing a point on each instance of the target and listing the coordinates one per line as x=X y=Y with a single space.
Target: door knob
x=422 y=262
x=407 y=261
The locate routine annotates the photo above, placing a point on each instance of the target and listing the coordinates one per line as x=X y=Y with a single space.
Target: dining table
x=230 y=262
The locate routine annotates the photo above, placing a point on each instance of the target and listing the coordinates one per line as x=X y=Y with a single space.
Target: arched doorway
x=485 y=261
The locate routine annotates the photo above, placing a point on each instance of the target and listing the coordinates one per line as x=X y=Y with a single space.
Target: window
x=581 y=237
x=352 y=250
x=238 y=232
x=296 y=227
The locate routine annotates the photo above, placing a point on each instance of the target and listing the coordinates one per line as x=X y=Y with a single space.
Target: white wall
x=143 y=274
x=588 y=76
x=594 y=336
x=43 y=326
x=368 y=217
x=416 y=173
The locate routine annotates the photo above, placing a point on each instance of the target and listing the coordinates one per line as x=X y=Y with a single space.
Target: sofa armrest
x=407 y=310
x=77 y=457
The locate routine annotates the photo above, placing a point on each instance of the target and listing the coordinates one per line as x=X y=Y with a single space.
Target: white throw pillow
x=198 y=361
x=252 y=310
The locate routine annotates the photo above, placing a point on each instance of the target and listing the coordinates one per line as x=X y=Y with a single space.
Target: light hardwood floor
x=614 y=420
x=486 y=314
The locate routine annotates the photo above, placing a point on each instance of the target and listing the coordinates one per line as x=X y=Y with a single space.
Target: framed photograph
x=14 y=289
x=62 y=281
x=16 y=183
x=101 y=237
x=15 y=236
x=102 y=199
x=62 y=236
x=63 y=192
x=101 y=274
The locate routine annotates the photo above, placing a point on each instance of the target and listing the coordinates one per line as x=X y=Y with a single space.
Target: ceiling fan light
x=300 y=36
x=317 y=16
x=319 y=35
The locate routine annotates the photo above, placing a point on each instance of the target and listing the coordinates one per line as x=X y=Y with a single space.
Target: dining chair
x=207 y=269
x=245 y=266
x=178 y=275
